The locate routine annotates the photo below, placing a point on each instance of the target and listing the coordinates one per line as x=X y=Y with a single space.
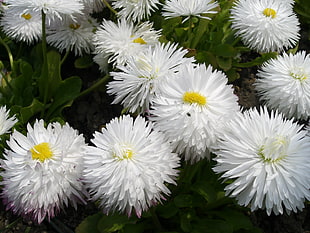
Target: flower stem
x=9 y=53
x=6 y=80
x=97 y=84
x=44 y=75
x=109 y=6
x=64 y=57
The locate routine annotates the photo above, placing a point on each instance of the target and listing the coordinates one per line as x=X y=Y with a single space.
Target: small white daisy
x=265 y=25
x=135 y=10
x=42 y=171
x=129 y=166
x=52 y=8
x=198 y=8
x=122 y=40
x=72 y=35
x=192 y=108
x=284 y=84
x=267 y=158
x=21 y=25
x=6 y=122
x=137 y=83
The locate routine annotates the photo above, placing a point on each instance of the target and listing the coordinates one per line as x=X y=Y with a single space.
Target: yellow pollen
x=192 y=97
x=74 y=26
x=27 y=16
x=274 y=150
x=41 y=151
x=139 y=40
x=270 y=12
x=121 y=152
x=300 y=77
x=127 y=154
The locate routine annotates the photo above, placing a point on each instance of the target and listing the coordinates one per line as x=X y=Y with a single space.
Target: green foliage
x=30 y=95
x=197 y=204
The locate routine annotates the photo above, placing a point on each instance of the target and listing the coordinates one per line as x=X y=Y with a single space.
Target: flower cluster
x=180 y=99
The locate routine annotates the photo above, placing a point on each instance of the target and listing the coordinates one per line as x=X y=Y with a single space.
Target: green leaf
x=187 y=200
x=206 y=190
x=83 y=62
x=257 y=61
x=54 y=69
x=186 y=219
x=206 y=57
x=167 y=210
x=89 y=224
x=225 y=63
x=183 y=200
x=232 y=75
x=211 y=226
x=67 y=91
x=112 y=223
x=27 y=112
x=225 y=50
x=134 y=228
x=235 y=218
x=199 y=31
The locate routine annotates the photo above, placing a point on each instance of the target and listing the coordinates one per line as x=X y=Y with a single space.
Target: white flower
x=175 y=8
x=267 y=158
x=265 y=25
x=21 y=25
x=137 y=83
x=91 y=6
x=6 y=122
x=135 y=10
x=122 y=40
x=192 y=108
x=129 y=166
x=51 y=8
x=43 y=170
x=72 y=35
x=284 y=84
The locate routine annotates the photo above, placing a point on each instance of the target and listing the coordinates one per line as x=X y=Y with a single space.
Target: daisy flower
x=192 y=108
x=267 y=158
x=122 y=40
x=6 y=122
x=265 y=25
x=72 y=35
x=52 y=8
x=135 y=10
x=129 y=165
x=21 y=25
x=284 y=84
x=198 y=8
x=42 y=171
x=136 y=84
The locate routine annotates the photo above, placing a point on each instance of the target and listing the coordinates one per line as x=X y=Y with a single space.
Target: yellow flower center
x=274 y=150
x=121 y=152
x=268 y=12
x=74 y=26
x=26 y=16
x=192 y=97
x=41 y=152
x=299 y=76
x=139 y=40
